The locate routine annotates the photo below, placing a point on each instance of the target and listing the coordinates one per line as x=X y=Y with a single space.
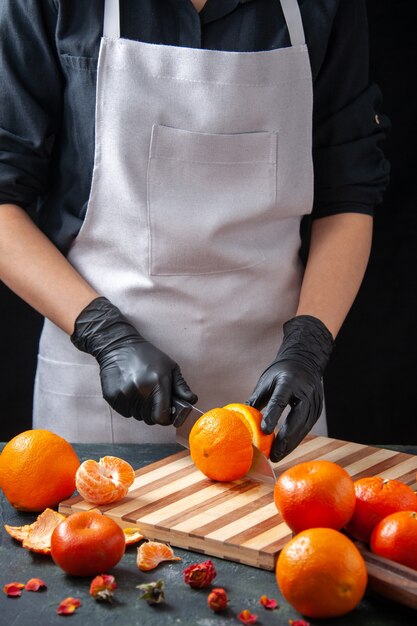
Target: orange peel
x=17 y=532
x=36 y=537
x=132 y=535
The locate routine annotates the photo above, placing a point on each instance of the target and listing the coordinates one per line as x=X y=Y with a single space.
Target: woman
x=181 y=244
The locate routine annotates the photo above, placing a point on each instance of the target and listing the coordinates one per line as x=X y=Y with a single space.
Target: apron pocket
x=206 y=193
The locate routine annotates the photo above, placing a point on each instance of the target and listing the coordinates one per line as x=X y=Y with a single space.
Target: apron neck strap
x=292 y=16
x=111 y=21
x=290 y=8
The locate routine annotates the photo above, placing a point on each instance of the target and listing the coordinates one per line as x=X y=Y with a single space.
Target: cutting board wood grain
x=171 y=501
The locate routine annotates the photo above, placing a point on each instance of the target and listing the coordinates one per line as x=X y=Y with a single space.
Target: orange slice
x=105 y=481
x=253 y=418
x=152 y=553
x=132 y=535
x=36 y=537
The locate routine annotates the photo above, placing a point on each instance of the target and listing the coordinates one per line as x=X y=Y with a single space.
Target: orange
x=104 y=482
x=315 y=494
x=253 y=418
x=321 y=573
x=395 y=538
x=37 y=470
x=87 y=543
x=376 y=498
x=152 y=553
x=221 y=445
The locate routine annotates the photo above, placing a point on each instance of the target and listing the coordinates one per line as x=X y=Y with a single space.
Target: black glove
x=294 y=378
x=137 y=379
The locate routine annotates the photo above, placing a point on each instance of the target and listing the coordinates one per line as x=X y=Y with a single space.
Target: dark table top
x=184 y=606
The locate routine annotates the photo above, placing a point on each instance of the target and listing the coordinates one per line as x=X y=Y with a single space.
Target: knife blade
x=184 y=417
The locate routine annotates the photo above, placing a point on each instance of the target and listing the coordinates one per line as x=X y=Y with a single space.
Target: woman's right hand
x=138 y=380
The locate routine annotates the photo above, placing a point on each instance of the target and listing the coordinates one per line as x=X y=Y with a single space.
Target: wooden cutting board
x=172 y=501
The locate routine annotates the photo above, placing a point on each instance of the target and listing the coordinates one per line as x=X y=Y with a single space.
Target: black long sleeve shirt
x=48 y=69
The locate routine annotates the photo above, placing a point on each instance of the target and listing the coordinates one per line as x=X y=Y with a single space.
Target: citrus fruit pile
x=39 y=469
x=385 y=517
x=221 y=441
x=321 y=571
x=375 y=499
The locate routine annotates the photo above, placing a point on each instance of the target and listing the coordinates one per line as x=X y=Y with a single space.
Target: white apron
x=203 y=170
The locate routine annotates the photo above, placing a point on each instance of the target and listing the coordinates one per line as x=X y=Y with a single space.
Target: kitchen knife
x=180 y=410
x=184 y=416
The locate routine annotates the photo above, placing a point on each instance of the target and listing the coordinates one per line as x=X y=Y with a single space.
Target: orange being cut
x=105 y=481
x=252 y=418
x=221 y=445
x=221 y=441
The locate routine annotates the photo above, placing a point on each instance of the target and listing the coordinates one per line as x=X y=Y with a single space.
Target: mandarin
x=87 y=543
x=37 y=470
x=105 y=481
x=315 y=494
x=321 y=573
x=395 y=538
x=253 y=418
x=376 y=498
x=221 y=445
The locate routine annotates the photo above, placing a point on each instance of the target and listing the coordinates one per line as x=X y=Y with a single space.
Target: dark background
x=371 y=380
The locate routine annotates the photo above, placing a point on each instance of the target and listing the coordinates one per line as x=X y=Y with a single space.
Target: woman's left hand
x=294 y=379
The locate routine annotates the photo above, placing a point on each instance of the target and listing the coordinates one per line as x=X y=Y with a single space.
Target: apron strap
x=292 y=16
x=111 y=21
x=290 y=8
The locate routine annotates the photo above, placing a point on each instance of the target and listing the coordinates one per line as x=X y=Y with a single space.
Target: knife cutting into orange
x=185 y=415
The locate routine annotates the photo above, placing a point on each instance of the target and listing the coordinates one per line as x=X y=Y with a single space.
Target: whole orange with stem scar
x=377 y=497
x=87 y=543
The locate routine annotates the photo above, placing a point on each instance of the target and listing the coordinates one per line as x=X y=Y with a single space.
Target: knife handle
x=180 y=410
